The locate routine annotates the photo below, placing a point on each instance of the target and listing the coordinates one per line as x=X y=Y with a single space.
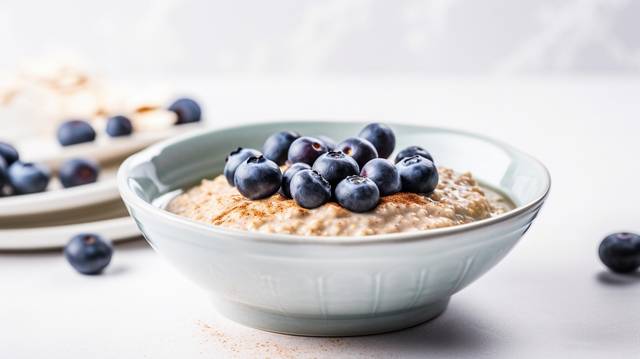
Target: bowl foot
x=332 y=326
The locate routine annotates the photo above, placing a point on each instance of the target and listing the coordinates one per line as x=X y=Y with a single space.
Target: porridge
x=457 y=199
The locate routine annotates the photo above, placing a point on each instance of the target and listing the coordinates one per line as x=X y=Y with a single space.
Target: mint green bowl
x=330 y=286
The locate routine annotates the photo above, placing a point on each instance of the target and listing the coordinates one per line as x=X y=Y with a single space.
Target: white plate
x=104 y=149
x=58 y=199
x=115 y=230
x=98 y=212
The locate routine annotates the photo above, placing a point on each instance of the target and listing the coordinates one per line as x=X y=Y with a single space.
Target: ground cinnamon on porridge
x=458 y=199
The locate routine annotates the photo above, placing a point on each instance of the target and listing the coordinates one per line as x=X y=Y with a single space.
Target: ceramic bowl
x=330 y=286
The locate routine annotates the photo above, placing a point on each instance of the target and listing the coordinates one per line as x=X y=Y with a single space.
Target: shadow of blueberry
x=615 y=279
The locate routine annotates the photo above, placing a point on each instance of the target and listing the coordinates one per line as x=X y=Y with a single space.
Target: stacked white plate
x=49 y=219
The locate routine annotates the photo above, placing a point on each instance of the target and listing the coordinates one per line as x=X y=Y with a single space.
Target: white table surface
x=549 y=297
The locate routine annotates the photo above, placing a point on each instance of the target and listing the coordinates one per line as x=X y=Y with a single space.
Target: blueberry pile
x=19 y=177
x=77 y=131
x=355 y=173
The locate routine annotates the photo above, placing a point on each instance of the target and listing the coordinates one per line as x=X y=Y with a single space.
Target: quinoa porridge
x=458 y=199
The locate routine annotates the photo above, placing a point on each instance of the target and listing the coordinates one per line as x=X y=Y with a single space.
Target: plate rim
x=59 y=199
x=125 y=228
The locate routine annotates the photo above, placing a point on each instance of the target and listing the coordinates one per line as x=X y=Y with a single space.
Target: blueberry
x=334 y=166
x=621 y=252
x=88 y=253
x=119 y=126
x=413 y=151
x=306 y=149
x=8 y=153
x=360 y=149
x=27 y=177
x=357 y=194
x=234 y=159
x=3 y=174
x=309 y=189
x=75 y=131
x=328 y=142
x=381 y=137
x=418 y=174
x=384 y=174
x=187 y=110
x=285 y=189
x=258 y=177
x=276 y=147
x=78 y=171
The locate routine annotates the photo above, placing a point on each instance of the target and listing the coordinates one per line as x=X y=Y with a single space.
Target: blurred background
x=357 y=37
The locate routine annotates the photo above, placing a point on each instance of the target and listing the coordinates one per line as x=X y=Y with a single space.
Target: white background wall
x=331 y=37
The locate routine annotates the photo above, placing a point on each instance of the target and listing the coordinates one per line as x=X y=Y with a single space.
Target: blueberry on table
x=77 y=172
x=381 y=137
x=285 y=188
x=357 y=194
x=258 y=177
x=28 y=177
x=306 y=149
x=88 y=253
x=418 y=174
x=309 y=189
x=328 y=142
x=234 y=159
x=119 y=126
x=384 y=174
x=75 y=131
x=276 y=147
x=620 y=252
x=413 y=151
x=188 y=111
x=8 y=153
x=360 y=149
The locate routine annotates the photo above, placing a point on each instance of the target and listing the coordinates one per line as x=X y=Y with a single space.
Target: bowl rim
x=130 y=198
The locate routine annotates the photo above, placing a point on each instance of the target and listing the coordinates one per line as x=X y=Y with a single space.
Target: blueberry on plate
x=119 y=126
x=306 y=149
x=8 y=153
x=620 y=252
x=28 y=177
x=328 y=142
x=285 y=188
x=258 y=177
x=309 y=189
x=234 y=159
x=357 y=194
x=381 y=137
x=75 y=131
x=418 y=174
x=334 y=166
x=360 y=149
x=276 y=147
x=88 y=253
x=77 y=172
x=384 y=174
x=188 y=111
x=413 y=151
